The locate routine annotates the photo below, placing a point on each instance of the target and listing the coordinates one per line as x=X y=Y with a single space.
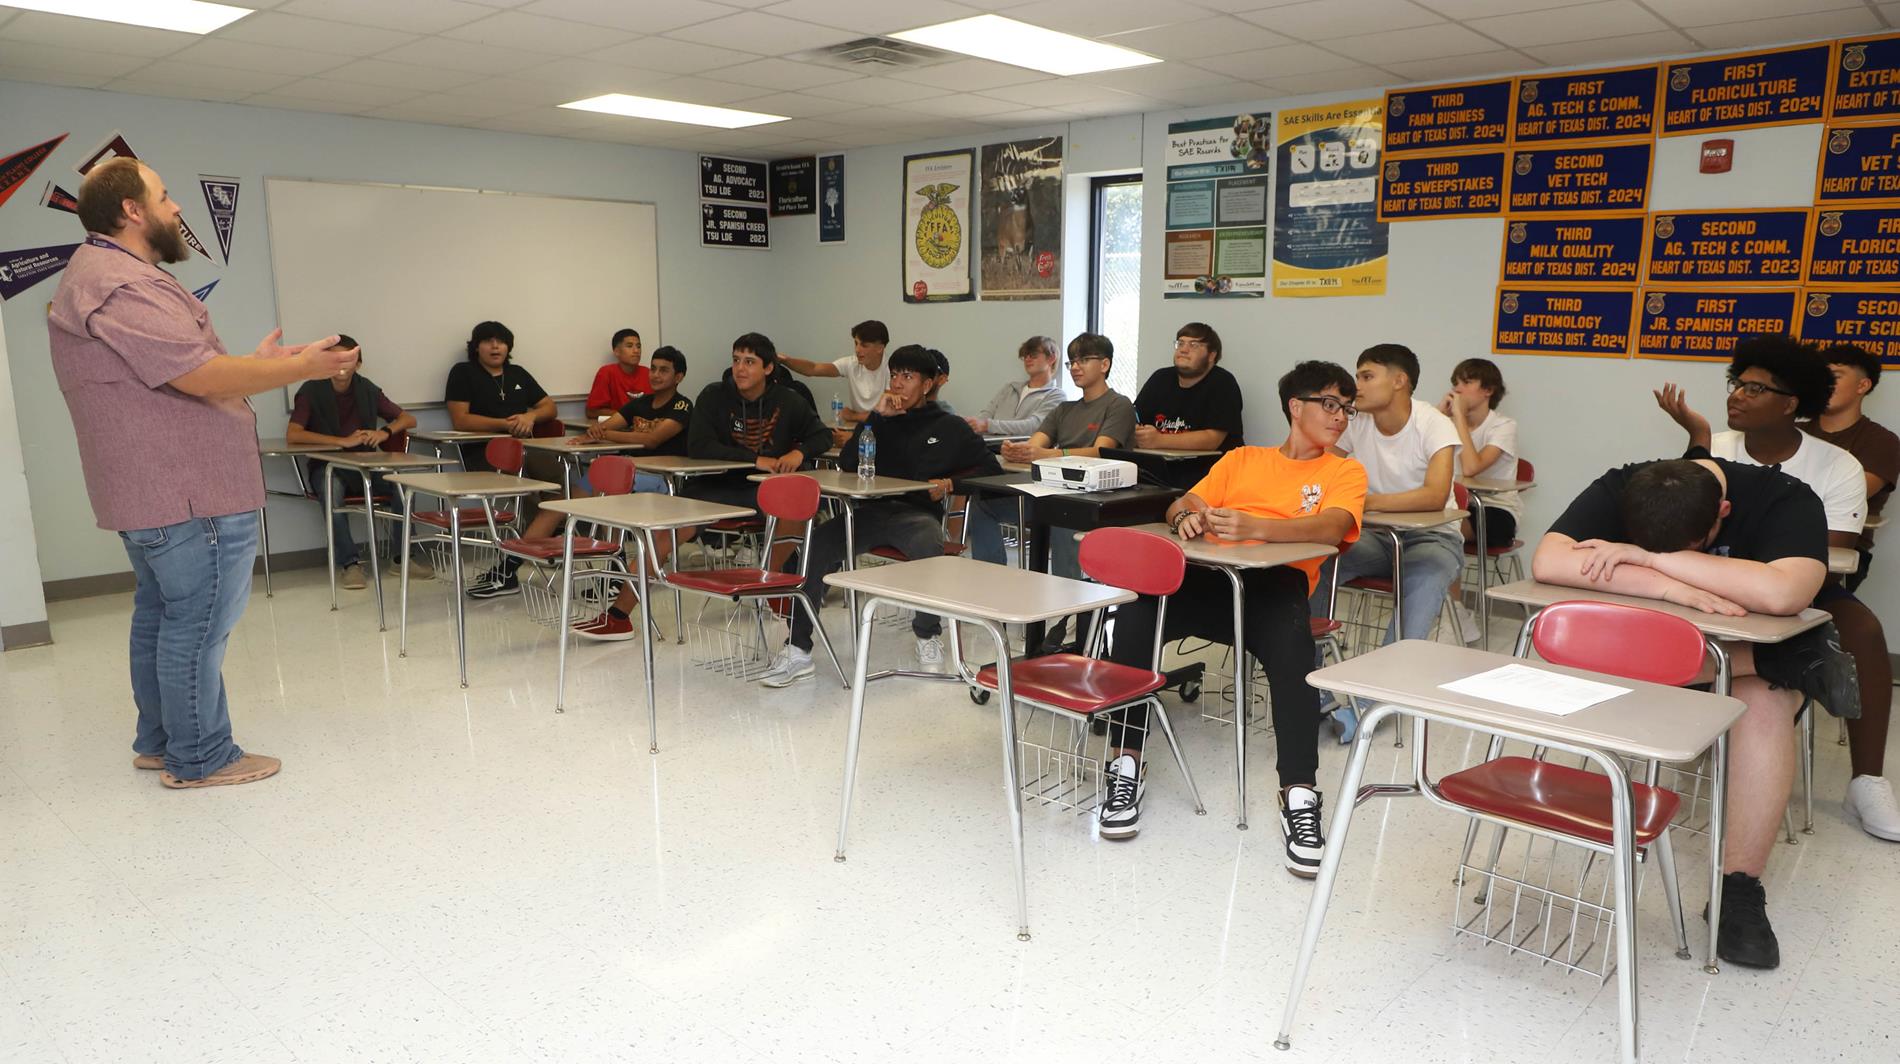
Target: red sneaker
x=605 y=628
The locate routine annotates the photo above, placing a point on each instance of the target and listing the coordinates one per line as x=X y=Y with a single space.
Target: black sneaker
x=1745 y=937
x=1299 y=822
x=494 y=584
x=1121 y=806
x=1814 y=664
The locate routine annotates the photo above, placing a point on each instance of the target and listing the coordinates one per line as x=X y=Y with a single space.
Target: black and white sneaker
x=1299 y=822
x=1120 y=811
x=495 y=584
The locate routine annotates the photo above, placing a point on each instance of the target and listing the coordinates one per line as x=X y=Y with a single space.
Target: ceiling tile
x=1464 y=9
x=1422 y=42
x=765 y=34
x=243 y=55
x=1202 y=37
x=806 y=128
x=412 y=16
x=1371 y=79
x=512 y=29
x=75 y=79
x=1689 y=13
x=870 y=91
x=1841 y=23
x=1277 y=64
x=356 y=92
x=1615 y=18
x=174 y=72
x=1056 y=92
x=1613 y=49
x=870 y=138
x=62 y=31
x=674 y=57
x=962 y=105
x=797 y=105
x=145 y=87
x=700 y=90
x=1095 y=18
x=1035 y=116
x=1118 y=104
x=637 y=16
x=878 y=118
x=463 y=55
x=409 y=112
x=1157 y=80
x=872 y=16
x=520 y=91
x=782 y=74
x=970 y=75
x=1318 y=20
x=592 y=78
x=465 y=106
x=1477 y=65
x=403 y=75
x=300 y=103
x=292 y=31
x=1235 y=92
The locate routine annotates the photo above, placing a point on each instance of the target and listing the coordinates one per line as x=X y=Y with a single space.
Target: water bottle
x=837 y=411
x=867 y=454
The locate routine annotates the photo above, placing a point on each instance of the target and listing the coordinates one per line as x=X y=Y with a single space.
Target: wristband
x=1175 y=525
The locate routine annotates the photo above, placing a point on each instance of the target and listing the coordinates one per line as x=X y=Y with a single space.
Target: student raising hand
x=1675 y=402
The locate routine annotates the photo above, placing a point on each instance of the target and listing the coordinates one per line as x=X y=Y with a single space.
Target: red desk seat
x=1557 y=798
x=1076 y=683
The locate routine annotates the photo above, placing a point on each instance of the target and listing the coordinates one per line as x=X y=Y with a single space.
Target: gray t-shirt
x=1080 y=422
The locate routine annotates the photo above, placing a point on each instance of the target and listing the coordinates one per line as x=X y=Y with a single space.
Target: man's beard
x=167 y=240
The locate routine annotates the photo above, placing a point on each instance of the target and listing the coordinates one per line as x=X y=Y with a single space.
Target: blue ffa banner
x=1745 y=91
x=1860 y=163
x=1564 y=321
x=1448 y=116
x=1442 y=186
x=1708 y=323
x=1602 y=177
x=1728 y=247
x=1586 y=105
x=1858 y=245
x=1868 y=320
x=1573 y=250
x=1867 y=79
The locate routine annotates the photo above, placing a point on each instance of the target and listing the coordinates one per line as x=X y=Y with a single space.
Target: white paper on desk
x=1536 y=689
x=1044 y=489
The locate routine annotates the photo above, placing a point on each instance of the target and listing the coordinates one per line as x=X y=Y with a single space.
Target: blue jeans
x=350 y=482
x=194 y=578
x=649 y=482
x=1433 y=560
x=987 y=516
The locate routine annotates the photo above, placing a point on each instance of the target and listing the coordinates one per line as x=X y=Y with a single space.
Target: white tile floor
x=449 y=875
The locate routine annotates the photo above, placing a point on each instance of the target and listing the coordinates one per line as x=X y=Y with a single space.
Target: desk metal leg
x=329 y=527
x=1398 y=615
x=1623 y=834
x=263 y=531
x=646 y=639
x=375 y=564
x=1022 y=532
x=850 y=561
x=1484 y=579
x=1012 y=793
x=1718 y=809
x=857 y=723
x=1329 y=867
x=402 y=624
x=567 y=599
x=455 y=560
x=1243 y=705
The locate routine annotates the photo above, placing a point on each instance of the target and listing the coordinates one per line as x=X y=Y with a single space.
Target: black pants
x=1500 y=525
x=1279 y=636
x=878 y=524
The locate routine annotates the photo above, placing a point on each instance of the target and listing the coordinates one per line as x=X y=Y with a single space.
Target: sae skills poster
x=1327 y=236
x=1218 y=170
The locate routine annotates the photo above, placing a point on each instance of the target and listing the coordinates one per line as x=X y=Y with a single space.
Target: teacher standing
x=168 y=443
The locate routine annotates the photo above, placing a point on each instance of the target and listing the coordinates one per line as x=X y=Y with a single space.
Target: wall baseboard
x=119 y=583
x=31 y=634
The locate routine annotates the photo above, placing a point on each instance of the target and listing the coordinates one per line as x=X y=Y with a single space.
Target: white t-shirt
x=1501 y=432
x=866 y=385
x=1833 y=474
x=1398 y=462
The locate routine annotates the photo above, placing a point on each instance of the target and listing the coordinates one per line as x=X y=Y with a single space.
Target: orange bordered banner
x=1767 y=247
x=1573 y=249
x=1748 y=90
x=1867 y=319
x=1474 y=114
x=1580 y=178
x=1866 y=85
x=1598 y=322
x=1705 y=324
x=1586 y=105
x=1854 y=246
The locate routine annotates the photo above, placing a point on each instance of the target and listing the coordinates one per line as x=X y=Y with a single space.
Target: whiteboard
x=408 y=271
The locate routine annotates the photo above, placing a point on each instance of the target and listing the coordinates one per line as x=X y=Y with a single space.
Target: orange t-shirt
x=1262 y=482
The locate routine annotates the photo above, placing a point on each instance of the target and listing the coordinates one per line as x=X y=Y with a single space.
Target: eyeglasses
x=1074 y=362
x=1753 y=389
x=1330 y=404
x=1184 y=342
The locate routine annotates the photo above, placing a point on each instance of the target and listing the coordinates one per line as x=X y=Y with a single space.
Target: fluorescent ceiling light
x=693 y=114
x=1019 y=44
x=185 y=16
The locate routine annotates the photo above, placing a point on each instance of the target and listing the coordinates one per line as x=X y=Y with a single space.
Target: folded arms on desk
x=1782 y=587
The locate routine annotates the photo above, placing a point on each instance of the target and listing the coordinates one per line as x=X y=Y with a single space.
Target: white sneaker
x=930 y=654
x=791 y=666
x=1870 y=799
x=1119 y=815
x=1467 y=622
x=1299 y=822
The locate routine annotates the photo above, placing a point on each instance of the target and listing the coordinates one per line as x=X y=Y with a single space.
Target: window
x=1115 y=272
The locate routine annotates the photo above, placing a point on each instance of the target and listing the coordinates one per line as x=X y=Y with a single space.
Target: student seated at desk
x=619 y=380
x=1487 y=449
x=865 y=375
x=938 y=382
x=1406 y=446
x=1774 y=380
x=656 y=420
x=916 y=440
x=1296 y=492
x=1723 y=538
x=1081 y=427
x=1845 y=425
x=488 y=392
x=1194 y=404
x=1019 y=407
x=342 y=412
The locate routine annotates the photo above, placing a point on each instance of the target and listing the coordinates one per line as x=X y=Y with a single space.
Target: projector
x=1085 y=474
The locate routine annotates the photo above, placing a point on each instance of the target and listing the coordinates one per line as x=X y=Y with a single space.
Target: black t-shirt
x=1771 y=514
x=1214 y=403
x=680 y=409
x=514 y=392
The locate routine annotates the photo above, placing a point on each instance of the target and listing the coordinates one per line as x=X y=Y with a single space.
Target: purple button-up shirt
x=121 y=331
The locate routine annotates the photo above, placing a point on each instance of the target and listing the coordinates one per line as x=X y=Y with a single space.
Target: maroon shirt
x=121 y=330
x=1877 y=450
x=347 y=419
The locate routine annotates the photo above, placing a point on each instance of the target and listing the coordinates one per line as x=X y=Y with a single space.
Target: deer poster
x=937 y=227
x=1021 y=212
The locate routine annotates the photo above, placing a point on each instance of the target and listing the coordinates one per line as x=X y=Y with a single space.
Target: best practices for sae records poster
x=1218 y=173
x=1327 y=238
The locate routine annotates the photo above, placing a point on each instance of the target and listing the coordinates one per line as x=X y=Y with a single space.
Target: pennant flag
x=192 y=239
x=21 y=270
x=221 y=194
x=59 y=199
x=113 y=147
x=16 y=168
x=199 y=294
